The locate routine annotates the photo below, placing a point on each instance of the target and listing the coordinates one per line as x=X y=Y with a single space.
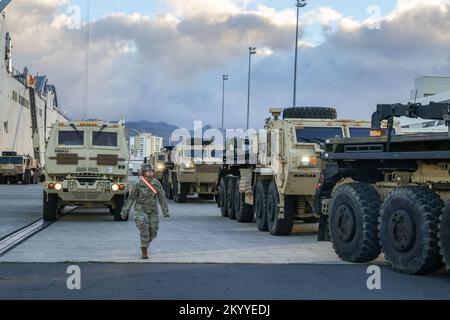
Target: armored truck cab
x=193 y=169
x=18 y=168
x=160 y=161
x=86 y=166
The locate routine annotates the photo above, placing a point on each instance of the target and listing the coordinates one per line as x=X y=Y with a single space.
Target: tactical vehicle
x=86 y=166
x=278 y=188
x=14 y=169
x=159 y=161
x=389 y=193
x=192 y=169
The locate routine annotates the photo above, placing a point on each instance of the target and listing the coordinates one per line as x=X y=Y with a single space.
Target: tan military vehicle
x=159 y=161
x=390 y=193
x=192 y=169
x=15 y=168
x=86 y=166
x=280 y=187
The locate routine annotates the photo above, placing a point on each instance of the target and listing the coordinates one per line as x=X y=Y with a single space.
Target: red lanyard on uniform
x=148 y=184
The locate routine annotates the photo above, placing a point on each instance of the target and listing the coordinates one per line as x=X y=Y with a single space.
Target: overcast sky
x=163 y=60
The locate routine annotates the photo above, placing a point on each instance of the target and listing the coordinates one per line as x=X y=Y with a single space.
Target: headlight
x=161 y=167
x=306 y=161
x=58 y=187
x=115 y=188
x=189 y=165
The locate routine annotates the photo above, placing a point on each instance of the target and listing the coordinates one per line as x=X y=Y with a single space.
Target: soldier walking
x=145 y=194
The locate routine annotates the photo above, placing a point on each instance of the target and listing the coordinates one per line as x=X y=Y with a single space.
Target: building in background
x=144 y=145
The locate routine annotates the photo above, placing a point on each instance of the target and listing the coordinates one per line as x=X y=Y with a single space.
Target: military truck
x=159 y=161
x=18 y=168
x=389 y=193
x=279 y=187
x=192 y=169
x=86 y=166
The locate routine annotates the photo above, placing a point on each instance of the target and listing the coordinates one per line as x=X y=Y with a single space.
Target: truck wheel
x=230 y=198
x=277 y=226
x=244 y=212
x=120 y=202
x=354 y=213
x=166 y=186
x=261 y=205
x=26 y=177
x=409 y=230
x=50 y=208
x=310 y=113
x=180 y=195
x=222 y=198
x=444 y=235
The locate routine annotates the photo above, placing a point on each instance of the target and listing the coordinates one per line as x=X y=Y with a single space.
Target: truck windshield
x=71 y=138
x=161 y=158
x=359 y=132
x=317 y=134
x=104 y=139
x=11 y=160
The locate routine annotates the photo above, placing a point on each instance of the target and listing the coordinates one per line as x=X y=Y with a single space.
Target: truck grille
x=87 y=195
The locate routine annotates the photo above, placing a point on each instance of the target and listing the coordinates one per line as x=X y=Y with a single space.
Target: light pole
x=251 y=51
x=300 y=4
x=224 y=78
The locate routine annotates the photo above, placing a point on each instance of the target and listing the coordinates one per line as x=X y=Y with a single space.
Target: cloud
x=168 y=67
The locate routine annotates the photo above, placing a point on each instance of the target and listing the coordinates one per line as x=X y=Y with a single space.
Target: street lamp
x=300 y=4
x=224 y=78
x=251 y=51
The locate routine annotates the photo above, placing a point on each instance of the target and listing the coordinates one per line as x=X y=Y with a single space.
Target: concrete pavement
x=196 y=233
x=20 y=205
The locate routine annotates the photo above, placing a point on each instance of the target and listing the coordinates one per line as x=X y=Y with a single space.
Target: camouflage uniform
x=146 y=209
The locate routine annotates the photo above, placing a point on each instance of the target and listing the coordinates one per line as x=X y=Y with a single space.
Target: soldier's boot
x=144 y=253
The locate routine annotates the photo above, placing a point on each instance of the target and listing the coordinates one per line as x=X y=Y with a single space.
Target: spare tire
x=310 y=113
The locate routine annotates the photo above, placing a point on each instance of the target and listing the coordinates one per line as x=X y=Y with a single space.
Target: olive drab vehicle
x=16 y=168
x=279 y=187
x=86 y=166
x=192 y=169
x=390 y=193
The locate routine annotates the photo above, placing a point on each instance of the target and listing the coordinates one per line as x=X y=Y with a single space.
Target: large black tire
x=50 y=208
x=261 y=205
x=166 y=186
x=223 y=198
x=180 y=194
x=354 y=213
x=231 y=185
x=244 y=212
x=116 y=212
x=26 y=177
x=409 y=225
x=310 y=113
x=279 y=227
x=444 y=235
